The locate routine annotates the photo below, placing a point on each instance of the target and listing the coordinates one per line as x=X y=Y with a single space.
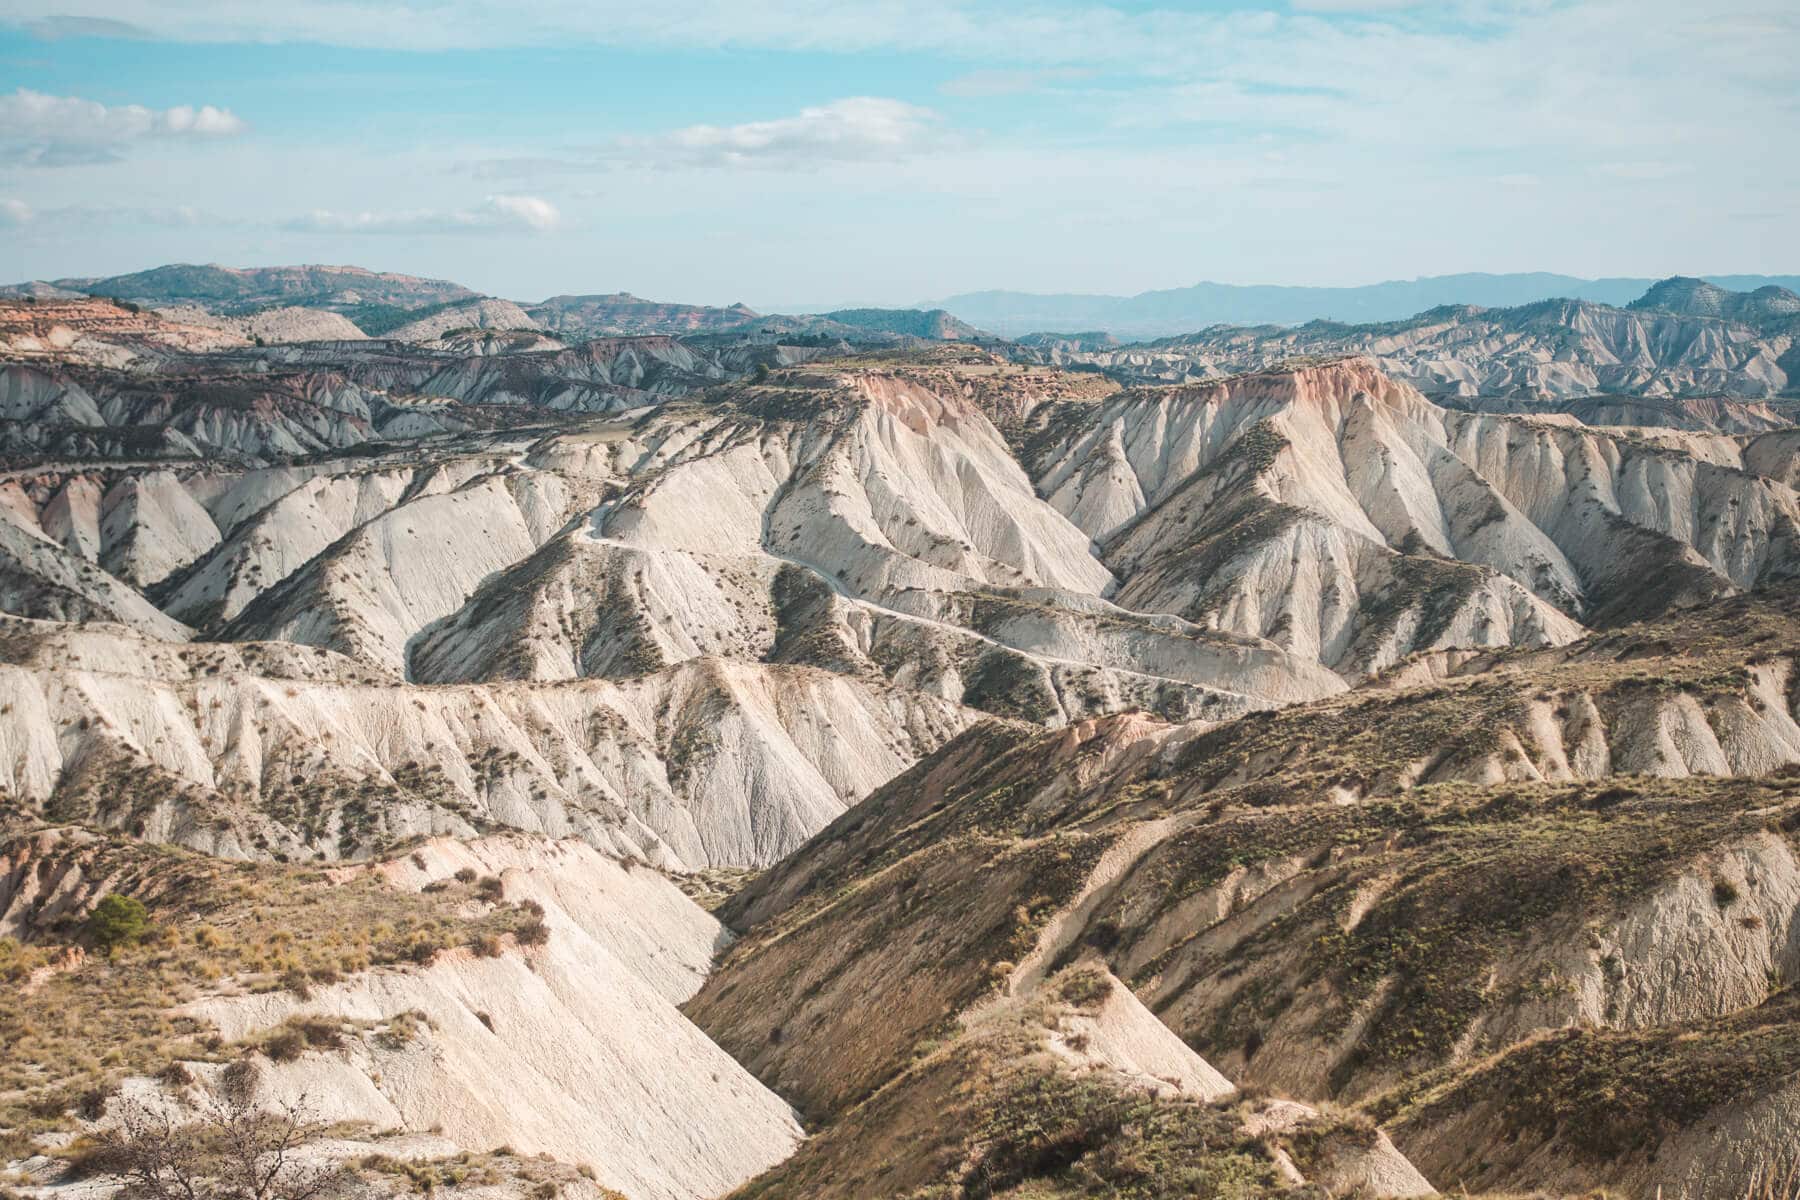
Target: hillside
x=1698 y=298
x=286 y=324
x=822 y=756
x=934 y=324
x=100 y=332
x=217 y=287
x=622 y=313
x=1453 y=886
x=407 y=1005
x=462 y=315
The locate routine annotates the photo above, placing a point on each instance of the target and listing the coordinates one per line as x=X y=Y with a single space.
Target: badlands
x=602 y=747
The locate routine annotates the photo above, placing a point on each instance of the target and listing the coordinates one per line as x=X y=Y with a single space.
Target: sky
x=809 y=153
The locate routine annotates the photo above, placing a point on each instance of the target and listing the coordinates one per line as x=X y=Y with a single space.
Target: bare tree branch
x=233 y=1150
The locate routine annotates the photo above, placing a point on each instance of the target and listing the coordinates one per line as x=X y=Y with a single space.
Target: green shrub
x=117 y=921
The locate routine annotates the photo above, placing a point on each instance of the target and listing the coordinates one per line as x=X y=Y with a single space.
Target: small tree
x=117 y=921
x=234 y=1151
x=761 y=374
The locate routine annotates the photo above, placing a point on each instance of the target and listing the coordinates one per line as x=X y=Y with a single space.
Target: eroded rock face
x=710 y=763
x=936 y=540
x=1342 y=515
x=574 y=1048
x=563 y=1039
x=99 y=332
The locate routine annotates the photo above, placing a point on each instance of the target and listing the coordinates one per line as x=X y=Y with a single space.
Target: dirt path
x=1069 y=924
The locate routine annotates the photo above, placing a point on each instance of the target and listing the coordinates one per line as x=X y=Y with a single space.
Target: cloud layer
x=50 y=131
x=1462 y=76
x=1108 y=145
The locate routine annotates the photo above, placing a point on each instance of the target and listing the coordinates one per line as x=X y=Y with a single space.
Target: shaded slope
x=1254 y=888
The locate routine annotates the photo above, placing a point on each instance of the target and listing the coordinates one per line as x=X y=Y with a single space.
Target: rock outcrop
x=285 y=324
x=486 y=313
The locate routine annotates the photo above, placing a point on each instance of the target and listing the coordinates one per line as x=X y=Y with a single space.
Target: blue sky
x=806 y=152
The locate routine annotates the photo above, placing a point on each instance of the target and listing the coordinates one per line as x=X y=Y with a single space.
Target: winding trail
x=838 y=588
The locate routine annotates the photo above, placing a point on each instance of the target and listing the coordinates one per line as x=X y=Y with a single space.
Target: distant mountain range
x=1683 y=338
x=1184 y=310
x=380 y=302
x=384 y=304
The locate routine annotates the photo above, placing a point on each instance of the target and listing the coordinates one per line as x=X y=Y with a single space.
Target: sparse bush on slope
x=117 y=921
x=84 y=1024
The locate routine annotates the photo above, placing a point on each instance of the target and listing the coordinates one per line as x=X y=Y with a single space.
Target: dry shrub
x=284 y=1045
x=326 y=1035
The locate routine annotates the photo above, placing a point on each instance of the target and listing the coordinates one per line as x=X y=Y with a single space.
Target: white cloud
x=496 y=214
x=14 y=212
x=1432 y=76
x=859 y=129
x=530 y=211
x=29 y=114
x=56 y=131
